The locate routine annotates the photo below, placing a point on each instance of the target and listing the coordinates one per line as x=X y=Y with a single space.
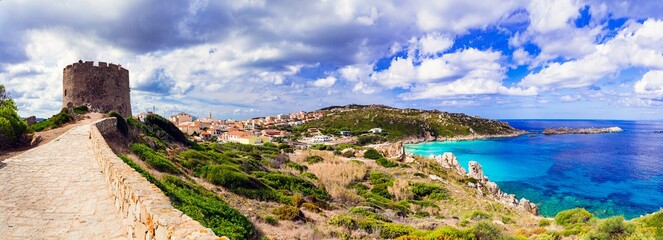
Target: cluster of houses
x=251 y=131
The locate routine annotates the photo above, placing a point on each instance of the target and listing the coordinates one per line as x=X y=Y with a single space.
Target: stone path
x=56 y=191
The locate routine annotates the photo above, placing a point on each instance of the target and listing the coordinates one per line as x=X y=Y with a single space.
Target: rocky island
x=563 y=130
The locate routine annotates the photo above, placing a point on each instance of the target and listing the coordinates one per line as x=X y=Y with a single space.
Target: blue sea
x=608 y=174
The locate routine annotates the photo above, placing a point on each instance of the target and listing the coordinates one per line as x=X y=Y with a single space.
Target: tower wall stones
x=103 y=88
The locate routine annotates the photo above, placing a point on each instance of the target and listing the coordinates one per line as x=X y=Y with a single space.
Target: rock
x=528 y=206
x=493 y=188
x=36 y=139
x=394 y=150
x=449 y=160
x=30 y=120
x=476 y=172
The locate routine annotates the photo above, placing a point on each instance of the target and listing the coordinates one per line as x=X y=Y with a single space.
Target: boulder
x=475 y=171
x=449 y=160
x=394 y=150
x=36 y=139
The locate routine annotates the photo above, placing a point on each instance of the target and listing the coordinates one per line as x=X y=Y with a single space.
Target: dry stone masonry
x=147 y=209
x=103 y=88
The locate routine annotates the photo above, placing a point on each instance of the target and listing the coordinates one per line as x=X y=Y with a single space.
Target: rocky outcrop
x=427 y=137
x=557 y=131
x=394 y=150
x=448 y=160
x=482 y=184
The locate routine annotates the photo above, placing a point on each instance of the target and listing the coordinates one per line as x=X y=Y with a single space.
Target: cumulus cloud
x=569 y=98
x=651 y=85
x=637 y=45
x=324 y=82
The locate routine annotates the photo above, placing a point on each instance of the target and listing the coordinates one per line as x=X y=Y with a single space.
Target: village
x=255 y=131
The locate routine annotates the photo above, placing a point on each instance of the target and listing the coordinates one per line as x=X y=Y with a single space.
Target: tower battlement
x=102 y=87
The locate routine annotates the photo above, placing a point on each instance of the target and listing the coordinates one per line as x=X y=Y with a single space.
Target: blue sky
x=564 y=59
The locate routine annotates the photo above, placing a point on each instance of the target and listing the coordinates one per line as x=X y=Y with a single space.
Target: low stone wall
x=146 y=208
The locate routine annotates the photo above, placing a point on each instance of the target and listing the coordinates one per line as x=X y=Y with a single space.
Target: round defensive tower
x=103 y=88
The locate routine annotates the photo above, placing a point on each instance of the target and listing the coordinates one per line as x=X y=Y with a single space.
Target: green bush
x=153 y=159
x=392 y=230
x=321 y=147
x=311 y=207
x=611 y=228
x=386 y=163
x=297 y=167
x=54 y=121
x=271 y=220
x=292 y=183
x=487 y=231
x=12 y=127
x=549 y=236
x=369 y=213
x=544 y=223
x=573 y=216
x=159 y=123
x=371 y=153
x=432 y=191
x=343 y=221
x=240 y=183
x=81 y=109
x=369 y=139
x=289 y=213
x=122 y=126
x=313 y=159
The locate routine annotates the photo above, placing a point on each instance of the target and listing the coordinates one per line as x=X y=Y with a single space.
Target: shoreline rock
x=558 y=131
x=483 y=185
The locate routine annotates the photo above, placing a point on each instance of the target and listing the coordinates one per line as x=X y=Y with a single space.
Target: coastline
x=471 y=137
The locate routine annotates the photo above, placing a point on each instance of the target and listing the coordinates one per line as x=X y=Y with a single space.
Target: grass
x=336 y=181
x=153 y=159
x=54 y=121
x=201 y=205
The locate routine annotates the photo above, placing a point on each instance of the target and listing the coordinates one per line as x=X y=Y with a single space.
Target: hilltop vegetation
x=12 y=127
x=401 y=123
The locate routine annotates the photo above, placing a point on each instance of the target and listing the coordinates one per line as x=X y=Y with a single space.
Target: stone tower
x=102 y=88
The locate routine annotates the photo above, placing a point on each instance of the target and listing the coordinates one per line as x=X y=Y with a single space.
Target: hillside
x=276 y=192
x=398 y=124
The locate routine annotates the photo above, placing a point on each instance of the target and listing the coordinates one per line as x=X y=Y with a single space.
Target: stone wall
x=102 y=88
x=146 y=207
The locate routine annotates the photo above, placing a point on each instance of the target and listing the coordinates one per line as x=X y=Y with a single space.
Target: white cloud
x=569 y=98
x=324 y=82
x=547 y=16
x=434 y=43
x=651 y=85
x=637 y=45
x=521 y=57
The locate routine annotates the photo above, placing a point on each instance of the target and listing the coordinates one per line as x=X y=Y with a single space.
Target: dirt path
x=49 y=135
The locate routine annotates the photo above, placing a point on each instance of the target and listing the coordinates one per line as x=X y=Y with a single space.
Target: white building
x=375 y=130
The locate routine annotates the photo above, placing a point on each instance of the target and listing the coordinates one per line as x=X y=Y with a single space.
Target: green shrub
x=81 y=109
x=271 y=220
x=122 y=126
x=343 y=221
x=548 y=236
x=487 y=231
x=309 y=176
x=297 y=167
x=392 y=230
x=54 y=121
x=507 y=220
x=287 y=212
x=369 y=139
x=12 y=127
x=380 y=178
x=158 y=122
x=292 y=183
x=313 y=159
x=611 y=228
x=371 y=153
x=432 y=191
x=544 y=222
x=386 y=163
x=240 y=183
x=321 y=147
x=573 y=216
x=311 y=207
x=478 y=215
x=368 y=212
x=153 y=159
x=348 y=154
x=421 y=175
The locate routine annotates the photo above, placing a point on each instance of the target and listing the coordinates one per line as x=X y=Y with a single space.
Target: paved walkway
x=56 y=191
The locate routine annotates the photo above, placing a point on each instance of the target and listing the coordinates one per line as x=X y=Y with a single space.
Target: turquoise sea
x=608 y=174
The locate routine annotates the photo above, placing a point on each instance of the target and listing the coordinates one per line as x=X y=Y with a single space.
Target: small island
x=563 y=130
